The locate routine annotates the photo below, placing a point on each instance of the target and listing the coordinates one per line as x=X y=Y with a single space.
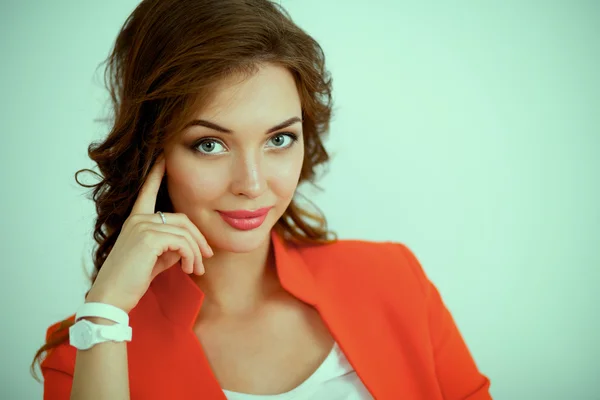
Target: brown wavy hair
x=167 y=61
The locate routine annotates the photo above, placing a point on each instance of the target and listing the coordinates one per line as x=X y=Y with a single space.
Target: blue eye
x=209 y=146
x=283 y=140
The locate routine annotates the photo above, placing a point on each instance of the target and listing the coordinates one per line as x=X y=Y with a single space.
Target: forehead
x=263 y=99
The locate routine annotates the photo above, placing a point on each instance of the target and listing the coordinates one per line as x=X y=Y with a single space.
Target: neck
x=237 y=283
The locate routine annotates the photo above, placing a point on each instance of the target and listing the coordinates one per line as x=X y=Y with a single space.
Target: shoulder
x=378 y=263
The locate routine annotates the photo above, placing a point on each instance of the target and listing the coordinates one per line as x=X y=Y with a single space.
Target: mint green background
x=467 y=130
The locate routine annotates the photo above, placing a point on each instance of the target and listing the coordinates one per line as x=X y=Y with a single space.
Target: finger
x=175 y=243
x=183 y=221
x=182 y=246
x=207 y=251
x=197 y=265
x=146 y=200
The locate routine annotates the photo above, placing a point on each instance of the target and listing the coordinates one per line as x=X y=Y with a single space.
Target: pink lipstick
x=245 y=220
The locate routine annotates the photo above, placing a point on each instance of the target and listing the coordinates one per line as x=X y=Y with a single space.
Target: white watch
x=85 y=334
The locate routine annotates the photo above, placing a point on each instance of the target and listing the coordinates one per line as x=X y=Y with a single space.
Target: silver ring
x=162 y=216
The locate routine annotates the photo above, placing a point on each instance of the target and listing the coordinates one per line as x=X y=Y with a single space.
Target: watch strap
x=103 y=310
x=116 y=332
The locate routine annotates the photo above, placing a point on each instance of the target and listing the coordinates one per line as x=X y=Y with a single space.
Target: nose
x=248 y=177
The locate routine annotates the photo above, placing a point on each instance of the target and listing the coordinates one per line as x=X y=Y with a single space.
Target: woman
x=211 y=281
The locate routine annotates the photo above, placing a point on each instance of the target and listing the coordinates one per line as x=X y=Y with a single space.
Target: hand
x=146 y=247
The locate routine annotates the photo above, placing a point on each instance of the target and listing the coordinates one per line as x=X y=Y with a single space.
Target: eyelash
x=197 y=143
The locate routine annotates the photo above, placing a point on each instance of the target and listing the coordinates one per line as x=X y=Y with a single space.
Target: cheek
x=190 y=186
x=284 y=176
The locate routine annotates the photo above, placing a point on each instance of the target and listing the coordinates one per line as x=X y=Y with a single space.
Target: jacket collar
x=180 y=298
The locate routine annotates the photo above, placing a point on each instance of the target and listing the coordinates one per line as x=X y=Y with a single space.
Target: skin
x=257 y=337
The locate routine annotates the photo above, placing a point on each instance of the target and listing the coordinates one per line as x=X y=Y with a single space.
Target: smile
x=245 y=220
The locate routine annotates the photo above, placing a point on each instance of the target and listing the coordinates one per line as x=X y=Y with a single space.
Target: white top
x=335 y=379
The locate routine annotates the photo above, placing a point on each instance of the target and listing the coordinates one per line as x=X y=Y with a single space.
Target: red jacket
x=375 y=298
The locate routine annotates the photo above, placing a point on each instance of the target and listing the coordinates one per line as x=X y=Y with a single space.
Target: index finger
x=146 y=200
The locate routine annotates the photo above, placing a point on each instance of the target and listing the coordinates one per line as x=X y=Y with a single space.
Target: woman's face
x=237 y=158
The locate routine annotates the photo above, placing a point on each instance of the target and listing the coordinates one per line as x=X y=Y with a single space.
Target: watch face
x=80 y=335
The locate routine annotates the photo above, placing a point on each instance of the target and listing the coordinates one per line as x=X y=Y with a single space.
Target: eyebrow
x=212 y=125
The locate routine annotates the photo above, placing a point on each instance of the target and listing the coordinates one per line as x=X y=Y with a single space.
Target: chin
x=241 y=242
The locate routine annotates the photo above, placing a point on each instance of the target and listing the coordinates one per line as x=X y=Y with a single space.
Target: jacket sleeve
x=57 y=370
x=457 y=373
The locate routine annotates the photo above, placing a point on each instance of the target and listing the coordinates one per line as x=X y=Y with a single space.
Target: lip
x=242 y=214
x=245 y=220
